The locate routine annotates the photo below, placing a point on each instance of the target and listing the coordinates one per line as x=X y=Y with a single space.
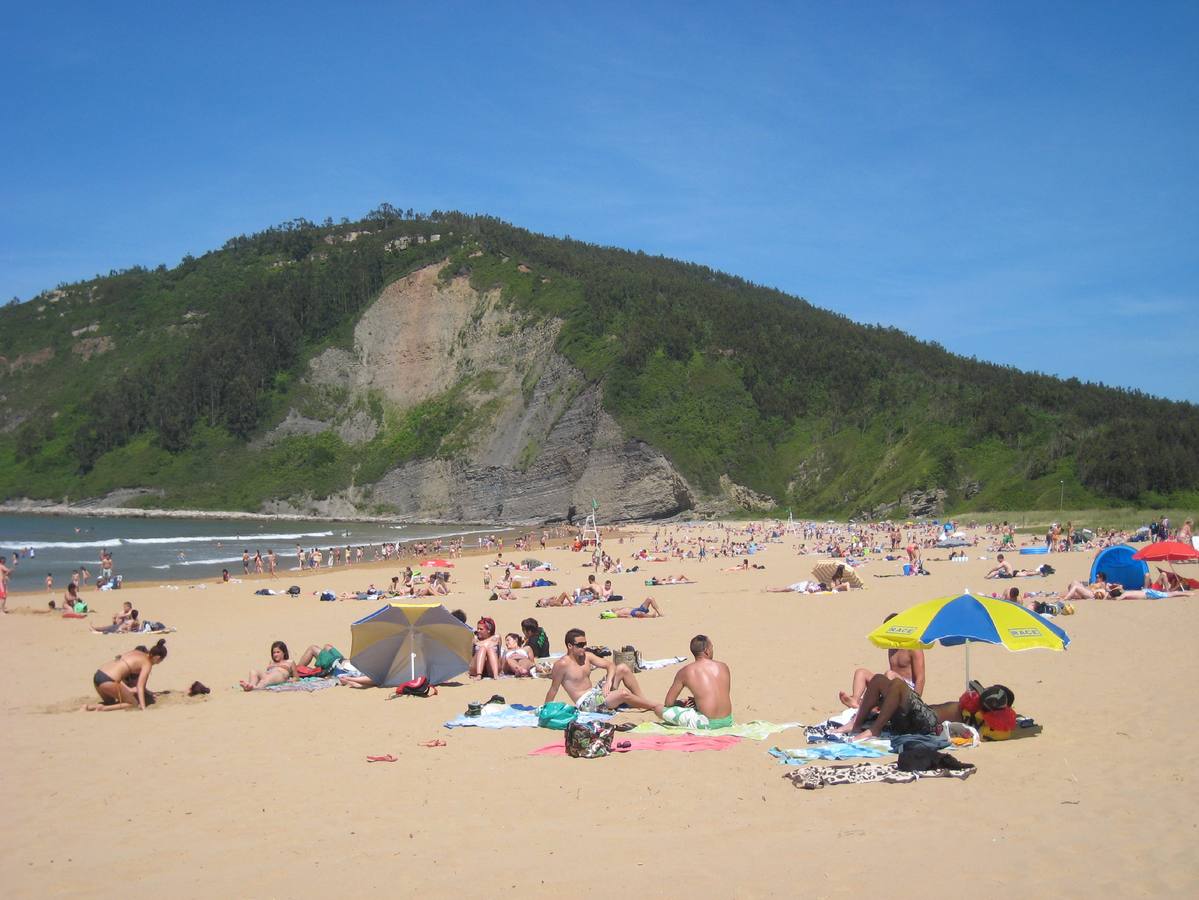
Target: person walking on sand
x=709 y=683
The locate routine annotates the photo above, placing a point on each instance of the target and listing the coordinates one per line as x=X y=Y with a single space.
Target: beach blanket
x=304 y=684
x=801 y=756
x=515 y=715
x=756 y=731
x=812 y=778
x=683 y=743
x=650 y=664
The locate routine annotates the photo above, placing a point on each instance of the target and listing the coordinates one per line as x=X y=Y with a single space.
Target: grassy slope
x=684 y=392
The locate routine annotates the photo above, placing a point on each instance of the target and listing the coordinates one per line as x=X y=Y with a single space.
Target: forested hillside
x=164 y=379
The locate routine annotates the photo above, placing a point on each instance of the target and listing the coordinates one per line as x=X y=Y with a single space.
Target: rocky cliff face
x=541 y=441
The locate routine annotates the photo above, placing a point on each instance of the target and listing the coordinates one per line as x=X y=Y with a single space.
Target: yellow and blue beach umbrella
x=965 y=619
x=404 y=640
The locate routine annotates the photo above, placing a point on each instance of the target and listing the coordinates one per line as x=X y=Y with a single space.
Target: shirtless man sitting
x=573 y=673
x=907 y=665
x=1003 y=570
x=709 y=681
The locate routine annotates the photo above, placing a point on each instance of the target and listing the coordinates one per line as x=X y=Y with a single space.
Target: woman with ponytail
x=110 y=678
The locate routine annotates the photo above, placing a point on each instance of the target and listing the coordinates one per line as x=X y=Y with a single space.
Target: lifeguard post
x=590 y=535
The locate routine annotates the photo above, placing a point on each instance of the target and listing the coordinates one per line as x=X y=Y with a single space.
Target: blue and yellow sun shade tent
x=965 y=619
x=404 y=640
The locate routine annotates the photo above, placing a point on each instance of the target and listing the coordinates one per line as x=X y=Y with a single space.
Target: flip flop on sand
x=385 y=758
x=436 y=743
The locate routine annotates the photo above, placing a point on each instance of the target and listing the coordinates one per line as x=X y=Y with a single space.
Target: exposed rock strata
x=541 y=441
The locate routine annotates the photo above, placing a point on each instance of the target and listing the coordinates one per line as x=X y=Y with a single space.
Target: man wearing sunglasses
x=573 y=672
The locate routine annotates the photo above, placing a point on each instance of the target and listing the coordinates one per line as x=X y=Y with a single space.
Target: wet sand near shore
x=267 y=795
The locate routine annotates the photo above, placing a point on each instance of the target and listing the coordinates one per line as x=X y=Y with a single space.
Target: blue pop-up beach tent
x=1119 y=566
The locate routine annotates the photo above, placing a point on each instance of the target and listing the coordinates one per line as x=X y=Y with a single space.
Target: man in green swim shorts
x=709 y=682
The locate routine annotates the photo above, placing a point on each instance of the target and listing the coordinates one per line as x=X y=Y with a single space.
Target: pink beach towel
x=685 y=743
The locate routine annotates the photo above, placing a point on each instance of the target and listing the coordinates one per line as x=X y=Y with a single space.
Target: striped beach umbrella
x=402 y=641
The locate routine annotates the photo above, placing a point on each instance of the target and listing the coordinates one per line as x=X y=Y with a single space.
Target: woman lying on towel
x=110 y=679
x=799 y=587
x=281 y=669
x=669 y=579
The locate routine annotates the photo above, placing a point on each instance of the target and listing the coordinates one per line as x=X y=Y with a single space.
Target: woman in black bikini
x=109 y=679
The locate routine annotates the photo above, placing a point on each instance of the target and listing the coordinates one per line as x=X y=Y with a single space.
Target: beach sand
x=268 y=795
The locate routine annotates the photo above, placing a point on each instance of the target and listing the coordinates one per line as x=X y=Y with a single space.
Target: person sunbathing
x=798 y=587
x=647 y=610
x=838 y=581
x=1147 y=594
x=562 y=599
x=573 y=674
x=1098 y=590
x=485 y=661
x=1003 y=570
x=709 y=682
x=906 y=665
x=331 y=663
x=515 y=658
x=121 y=624
x=110 y=679
x=670 y=579
x=280 y=669
x=900 y=710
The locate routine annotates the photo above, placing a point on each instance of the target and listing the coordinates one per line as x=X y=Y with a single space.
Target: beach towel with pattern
x=812 y=778
x=801 y=756
x=304 y=684
x=682 y=743
x=516 y=715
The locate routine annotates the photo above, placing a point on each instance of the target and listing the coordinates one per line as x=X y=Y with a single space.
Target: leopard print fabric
x=813 y=778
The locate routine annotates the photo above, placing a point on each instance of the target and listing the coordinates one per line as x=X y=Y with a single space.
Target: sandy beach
x=270 y=795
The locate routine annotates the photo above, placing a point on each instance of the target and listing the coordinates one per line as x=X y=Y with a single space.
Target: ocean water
x=162 y=550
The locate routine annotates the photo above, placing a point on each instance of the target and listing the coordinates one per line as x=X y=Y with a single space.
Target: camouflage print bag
x=589 y=740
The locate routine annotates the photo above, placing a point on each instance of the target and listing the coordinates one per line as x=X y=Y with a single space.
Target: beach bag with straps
x=589 y=740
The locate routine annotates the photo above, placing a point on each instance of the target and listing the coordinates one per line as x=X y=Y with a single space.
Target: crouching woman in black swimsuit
x=110 y=678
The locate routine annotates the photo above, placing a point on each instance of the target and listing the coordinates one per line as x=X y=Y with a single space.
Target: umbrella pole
x=413 y=667
x=967 y=665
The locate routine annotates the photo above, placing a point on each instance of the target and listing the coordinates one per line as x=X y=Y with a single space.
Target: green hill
x=171 y=379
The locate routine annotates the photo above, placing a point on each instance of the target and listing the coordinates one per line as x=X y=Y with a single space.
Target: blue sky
x=1016 y=181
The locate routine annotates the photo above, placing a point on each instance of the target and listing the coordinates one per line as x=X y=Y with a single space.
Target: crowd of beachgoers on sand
x=699 y=697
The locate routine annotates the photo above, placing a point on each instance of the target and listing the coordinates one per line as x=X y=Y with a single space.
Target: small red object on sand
x=386 y=758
